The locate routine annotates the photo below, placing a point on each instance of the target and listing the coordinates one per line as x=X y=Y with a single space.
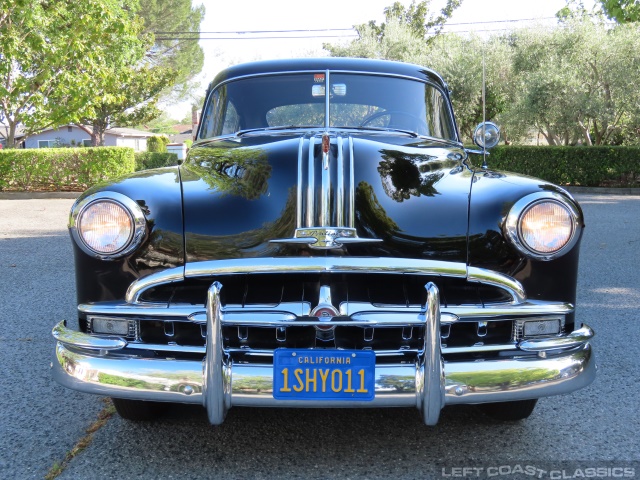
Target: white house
x=70 y=135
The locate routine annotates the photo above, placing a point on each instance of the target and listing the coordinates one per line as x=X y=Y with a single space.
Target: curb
x=37 y=195
x=603 y=190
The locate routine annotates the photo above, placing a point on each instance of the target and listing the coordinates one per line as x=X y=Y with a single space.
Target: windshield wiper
x=386 y=129
x=268 y=129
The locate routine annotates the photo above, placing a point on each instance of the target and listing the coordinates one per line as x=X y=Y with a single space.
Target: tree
x=578 y=82
x=622 y=11
x=162 y=124
x=398 y=43
x=184 y=58
x=404 y=35
x=130 y=94
x=48 y=70
x=459 y=60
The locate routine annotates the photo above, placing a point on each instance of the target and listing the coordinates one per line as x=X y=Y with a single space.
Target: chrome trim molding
x=327 y=265
x=351 y=210
x=340 y=199
x=310 y=207
x=482 y=275
x=359 y=311
x=136 y=215
x=324 y=265
x=299 y=190
x=512 y=223
x=171 y=275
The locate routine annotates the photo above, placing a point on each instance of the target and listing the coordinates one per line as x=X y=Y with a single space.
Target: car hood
x=293 y=194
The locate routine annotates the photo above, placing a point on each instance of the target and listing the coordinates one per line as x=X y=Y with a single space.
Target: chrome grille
x=299 y=293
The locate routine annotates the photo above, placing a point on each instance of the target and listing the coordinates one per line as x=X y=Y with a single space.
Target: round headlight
x=543 y=225
x=546 y=227
x=107 y=225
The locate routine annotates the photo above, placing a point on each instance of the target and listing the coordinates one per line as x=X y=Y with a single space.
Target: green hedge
x=580 y=166
x=147 y=160
x=62 y=169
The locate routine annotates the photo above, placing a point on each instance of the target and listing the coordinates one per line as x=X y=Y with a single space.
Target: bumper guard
x=94 y=364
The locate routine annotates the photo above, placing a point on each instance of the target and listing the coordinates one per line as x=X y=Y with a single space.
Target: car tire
x=509 y=411
x=138 y=410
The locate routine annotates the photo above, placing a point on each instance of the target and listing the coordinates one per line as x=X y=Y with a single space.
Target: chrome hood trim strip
x=325 y=216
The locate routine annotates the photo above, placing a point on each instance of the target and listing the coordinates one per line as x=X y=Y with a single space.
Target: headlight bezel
x=513 y=223
x=132 y=209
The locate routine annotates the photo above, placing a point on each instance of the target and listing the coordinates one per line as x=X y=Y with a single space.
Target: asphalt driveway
x=597 y=427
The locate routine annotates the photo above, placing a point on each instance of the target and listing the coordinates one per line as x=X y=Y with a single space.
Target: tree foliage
x=93 y=62
x=48 y=71
x=163 y=65
x=575 y=83
x=128 y=97
x=578 y=82
x=184 y=58
x=622 y=11
x=460 y=61
x=403 y=36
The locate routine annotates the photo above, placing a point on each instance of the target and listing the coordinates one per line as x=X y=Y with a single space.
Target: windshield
x=361 y=101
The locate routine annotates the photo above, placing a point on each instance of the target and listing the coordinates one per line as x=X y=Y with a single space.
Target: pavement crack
x=103 y=416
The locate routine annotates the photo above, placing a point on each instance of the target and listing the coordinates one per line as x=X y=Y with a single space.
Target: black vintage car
x=328 y=242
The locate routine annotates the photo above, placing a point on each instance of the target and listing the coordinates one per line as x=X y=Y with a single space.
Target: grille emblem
x=325 y=311
x=325 y=237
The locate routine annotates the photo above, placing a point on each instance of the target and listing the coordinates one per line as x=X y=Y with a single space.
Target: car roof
x=329 y=63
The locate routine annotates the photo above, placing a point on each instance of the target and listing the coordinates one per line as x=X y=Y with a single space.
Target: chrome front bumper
x=95 y=365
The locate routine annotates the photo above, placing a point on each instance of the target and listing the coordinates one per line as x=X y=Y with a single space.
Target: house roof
x=181 y=137
x=118 y=131
x=129 y=132
x=4 y=130
x=183 y=128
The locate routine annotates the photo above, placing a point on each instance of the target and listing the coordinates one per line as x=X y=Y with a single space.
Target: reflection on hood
x=404 y=174
x=241 y=172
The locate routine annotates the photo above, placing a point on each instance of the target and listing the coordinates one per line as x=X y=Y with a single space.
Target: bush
x=62 y=169
x=157 y=144
x=147 y=160
x=602 y=166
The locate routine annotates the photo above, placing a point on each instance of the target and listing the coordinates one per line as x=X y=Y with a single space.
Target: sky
x=224 y=18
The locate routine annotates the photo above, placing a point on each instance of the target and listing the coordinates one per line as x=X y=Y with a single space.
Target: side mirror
x=486 y=135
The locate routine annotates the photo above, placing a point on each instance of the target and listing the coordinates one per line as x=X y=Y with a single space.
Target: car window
x=231 y=122
x=356 y=100
x=308 y=114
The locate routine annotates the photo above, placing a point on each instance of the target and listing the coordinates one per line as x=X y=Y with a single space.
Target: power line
x=258 y=38
x=257 y=31
x=308 y=33
x=309 y=30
